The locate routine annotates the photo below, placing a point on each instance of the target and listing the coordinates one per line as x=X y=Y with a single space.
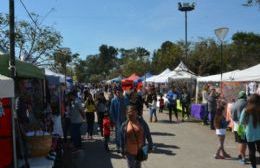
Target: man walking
x=118 y=113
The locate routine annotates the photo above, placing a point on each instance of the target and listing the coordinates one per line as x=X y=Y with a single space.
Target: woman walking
x=76 y=120
x=90 y=114
x=101 y=109
x=134 y=133
x=221 y=124
x=250 y=118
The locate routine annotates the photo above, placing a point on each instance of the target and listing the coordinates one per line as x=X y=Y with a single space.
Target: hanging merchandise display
x=5 y=133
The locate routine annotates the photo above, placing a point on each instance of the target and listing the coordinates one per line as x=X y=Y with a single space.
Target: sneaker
x=218 y=157
x=242 y=161
x=227 y=155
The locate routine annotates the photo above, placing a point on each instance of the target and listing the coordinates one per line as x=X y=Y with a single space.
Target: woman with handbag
x=250 y=118
x=134 y=132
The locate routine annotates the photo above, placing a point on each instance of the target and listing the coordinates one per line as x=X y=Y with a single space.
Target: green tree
x=80 y=70
x=249 y=3
x=168 y=56
x=135 y=60
x=35 y=43
x=246 y=50
x=106 y=59
x=62 y=58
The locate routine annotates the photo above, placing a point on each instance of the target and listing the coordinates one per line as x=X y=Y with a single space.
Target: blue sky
x=86 y=24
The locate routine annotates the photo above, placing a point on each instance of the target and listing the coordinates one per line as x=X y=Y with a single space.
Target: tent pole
x=197 y=90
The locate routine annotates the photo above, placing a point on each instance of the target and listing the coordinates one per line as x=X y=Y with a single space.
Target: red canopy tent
x=128 y=83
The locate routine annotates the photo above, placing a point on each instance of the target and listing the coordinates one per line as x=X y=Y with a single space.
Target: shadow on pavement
x=161 y=148
x=92 y=155
x=162 y=145
x=162 y=134
x=163 y=151
x=166 y=122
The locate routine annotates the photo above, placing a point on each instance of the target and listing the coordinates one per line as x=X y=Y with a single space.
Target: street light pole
x=186 y=7
x=12 y=68
x=221 y=34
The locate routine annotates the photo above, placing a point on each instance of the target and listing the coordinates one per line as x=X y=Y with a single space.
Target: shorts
x=221 y=131
x=238 y=139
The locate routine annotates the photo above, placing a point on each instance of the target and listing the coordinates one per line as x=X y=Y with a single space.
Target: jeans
x=75 y=134
x=212 y=117
x=106 y=140
x=118 y=135
x=253 y=146
x=132 y=162
x=90 y=116
x=206 y=114
x=173 y=107
x=153 y=112
x=66 y=128
x=100 y=122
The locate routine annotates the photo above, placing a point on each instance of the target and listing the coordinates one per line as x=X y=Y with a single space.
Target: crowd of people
x=245 y=114
x=122 y=112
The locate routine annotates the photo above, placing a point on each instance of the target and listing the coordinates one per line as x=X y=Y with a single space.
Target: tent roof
x=7 y=87
x=51 y=73
x=23 y=69
x=249 y=74
x=164 y=78
x=130 y=79
x=182 y=75
x=117 y=79
x=133 y=77
x=153 y=78
x=183 y=68
x=227 y=76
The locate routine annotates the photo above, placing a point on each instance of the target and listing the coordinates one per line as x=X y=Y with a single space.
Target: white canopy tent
x=153 y=78
x=249 y=74
x=227 y=76
x=182 y=72
x=51 y=73
x=164 y=78
x=6 y=87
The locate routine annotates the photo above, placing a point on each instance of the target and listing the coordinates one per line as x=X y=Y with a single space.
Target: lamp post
x=221 y=34
x=186 y=7
x=146 y=61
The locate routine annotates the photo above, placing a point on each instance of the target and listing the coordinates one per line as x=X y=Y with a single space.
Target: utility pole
x=12 y=68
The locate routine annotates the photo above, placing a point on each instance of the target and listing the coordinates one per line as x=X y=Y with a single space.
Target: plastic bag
x=241 y=130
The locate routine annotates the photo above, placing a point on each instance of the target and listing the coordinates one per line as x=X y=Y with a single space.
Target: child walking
x=106 y=130
x=161 y=104
x=152 y=107
x=221 y=124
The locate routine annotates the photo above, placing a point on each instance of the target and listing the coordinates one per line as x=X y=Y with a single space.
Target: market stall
x=6 y=92
x=128 y=83
x=153 y=78
x=31 y=124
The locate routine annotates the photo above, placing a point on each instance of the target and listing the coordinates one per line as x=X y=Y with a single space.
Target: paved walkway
x=182 y=145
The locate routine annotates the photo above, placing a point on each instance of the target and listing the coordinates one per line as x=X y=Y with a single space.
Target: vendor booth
x=6 y=92
x=153 y=78
x=7 y=87
x=232 y=83
x=128 y=83
x=34 y=139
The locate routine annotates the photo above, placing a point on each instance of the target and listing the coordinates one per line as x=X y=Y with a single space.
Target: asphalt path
x=177 y=145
